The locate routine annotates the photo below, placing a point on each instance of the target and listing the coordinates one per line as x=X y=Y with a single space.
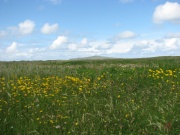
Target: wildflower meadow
x=91 y=97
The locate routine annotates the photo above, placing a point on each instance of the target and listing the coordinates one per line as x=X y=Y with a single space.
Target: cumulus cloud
x=58 y=42
x=171 y=44
x=162 y=45
x=170 y=11
x=151 y=47
x=126 y=35
x=48 y=29
x=120 y=47
x=23 y=28
x=26 y=27
x=145 y=46
x=12 y=48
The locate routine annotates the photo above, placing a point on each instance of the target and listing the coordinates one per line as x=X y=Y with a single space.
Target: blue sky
x=65 y=29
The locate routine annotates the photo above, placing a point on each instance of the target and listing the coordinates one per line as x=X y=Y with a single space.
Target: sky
x=66 y=29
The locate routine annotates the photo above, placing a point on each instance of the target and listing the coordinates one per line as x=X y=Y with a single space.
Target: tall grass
x=121 y=96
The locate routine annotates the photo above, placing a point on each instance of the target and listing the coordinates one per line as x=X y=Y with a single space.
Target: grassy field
x=86 y=97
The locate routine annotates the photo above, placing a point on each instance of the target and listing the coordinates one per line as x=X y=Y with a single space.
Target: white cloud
x=121 y=47
x=58 y=42
x=151 y=47
x=90 y=50
x=126 y=35
x=99 y=44
x=35 y=50
x=162 y=45
x=64 y=48
x=47 y=28
x=12 y=48
x=168 y=12
x=171 y=44
x=94 y=48
x=26 y=27
x=125 y=1
x=23 y=28
x=142 y=43
x=84 y=41
x=72 y=46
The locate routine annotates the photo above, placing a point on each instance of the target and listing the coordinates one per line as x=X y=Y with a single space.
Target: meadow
x=91 y=97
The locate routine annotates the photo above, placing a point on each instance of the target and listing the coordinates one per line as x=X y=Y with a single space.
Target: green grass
x=84 y=97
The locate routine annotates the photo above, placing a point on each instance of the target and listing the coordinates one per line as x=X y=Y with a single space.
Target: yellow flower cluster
x=168 y=77
x=36 y=94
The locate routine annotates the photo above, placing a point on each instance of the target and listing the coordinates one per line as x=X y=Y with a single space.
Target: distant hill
x=93 y=58
x=96 y=57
